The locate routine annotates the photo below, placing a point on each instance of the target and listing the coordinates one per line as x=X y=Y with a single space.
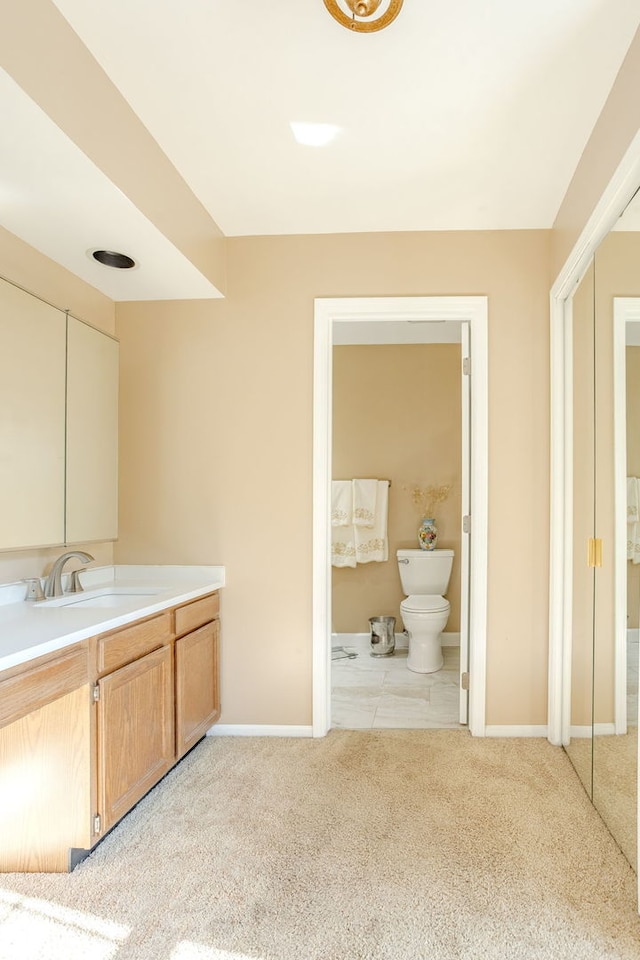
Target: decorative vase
x=427 y=534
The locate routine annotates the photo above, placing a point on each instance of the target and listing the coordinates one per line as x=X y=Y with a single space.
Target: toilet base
x=425 y=656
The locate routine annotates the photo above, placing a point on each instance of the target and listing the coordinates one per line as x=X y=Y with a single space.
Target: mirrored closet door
x=605 y=389
x=580 y=745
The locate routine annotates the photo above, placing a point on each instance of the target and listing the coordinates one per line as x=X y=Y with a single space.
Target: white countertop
x=29 y=629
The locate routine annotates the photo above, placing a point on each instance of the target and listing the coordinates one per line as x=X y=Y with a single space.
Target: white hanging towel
x=343 y=546
x=372 y=544
x=633 y=519
x=341 y=503
x=365 y=493
x=632 y=500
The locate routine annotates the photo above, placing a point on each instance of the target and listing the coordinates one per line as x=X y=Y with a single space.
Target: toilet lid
x=424 y=604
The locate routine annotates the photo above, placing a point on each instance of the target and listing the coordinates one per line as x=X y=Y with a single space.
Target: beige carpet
x=615 y=775
x=615 y=762
x=385 y=845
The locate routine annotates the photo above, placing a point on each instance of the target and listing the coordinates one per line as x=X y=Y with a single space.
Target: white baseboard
x=363 y=639
x=450 y=639
x=585 y=730
x=633 y=635
x=523 y=730
x=259 y=730
x=274 y=730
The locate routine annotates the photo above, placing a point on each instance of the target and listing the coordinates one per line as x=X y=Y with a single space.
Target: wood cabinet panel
x=124 y=646
x=39 y=685
x=197 y=685
x=45 y=795
x=135 y=732
x=194 y=615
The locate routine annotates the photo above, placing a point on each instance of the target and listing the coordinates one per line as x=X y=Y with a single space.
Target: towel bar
x=382 y=480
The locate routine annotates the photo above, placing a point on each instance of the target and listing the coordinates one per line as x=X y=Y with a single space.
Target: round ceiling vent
x=120 y=261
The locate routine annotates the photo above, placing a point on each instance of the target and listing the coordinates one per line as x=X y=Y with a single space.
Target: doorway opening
x=408 y=320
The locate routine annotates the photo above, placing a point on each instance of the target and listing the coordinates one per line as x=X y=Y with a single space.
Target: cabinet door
x=32 y=403
x=45 y=785
x=135 y=732
x=92 y=434
x=197 y=685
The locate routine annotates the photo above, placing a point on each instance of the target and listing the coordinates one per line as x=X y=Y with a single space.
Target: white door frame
x=620 y=190
x=473 y=310
x=465 y=510
x=625 y=310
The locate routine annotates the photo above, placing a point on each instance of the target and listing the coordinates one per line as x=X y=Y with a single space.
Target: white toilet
x=425 y=578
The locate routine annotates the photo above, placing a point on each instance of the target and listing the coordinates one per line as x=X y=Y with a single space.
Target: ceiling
x=463 y=116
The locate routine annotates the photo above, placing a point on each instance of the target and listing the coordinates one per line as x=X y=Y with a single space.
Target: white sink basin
x=107 y=598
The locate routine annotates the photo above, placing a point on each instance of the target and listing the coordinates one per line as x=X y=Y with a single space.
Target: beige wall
x=34 y=272
x=216 y=448
x=397 y=416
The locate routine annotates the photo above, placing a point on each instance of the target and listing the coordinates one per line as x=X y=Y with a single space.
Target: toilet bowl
x=424 y=618
x=425 y=578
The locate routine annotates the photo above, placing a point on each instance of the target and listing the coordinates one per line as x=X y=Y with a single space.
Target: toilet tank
x=425 y=572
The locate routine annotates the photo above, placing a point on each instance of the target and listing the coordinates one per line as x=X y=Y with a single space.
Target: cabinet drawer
x=117 y=649
x=195 y=614
x=36 y=687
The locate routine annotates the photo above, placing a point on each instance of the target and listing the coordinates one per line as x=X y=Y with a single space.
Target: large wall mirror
x=603 y=390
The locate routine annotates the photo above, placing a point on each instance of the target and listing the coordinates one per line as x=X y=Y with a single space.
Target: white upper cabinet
x=32 y=420
x=92 y=434
x=58 y=426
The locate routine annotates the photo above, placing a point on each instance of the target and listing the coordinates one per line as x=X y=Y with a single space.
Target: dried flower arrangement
x=426 y=498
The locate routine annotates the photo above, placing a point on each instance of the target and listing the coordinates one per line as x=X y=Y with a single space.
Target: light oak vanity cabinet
x=135 y=703
x=197 y=670
x=46 y=747
x=86 y=732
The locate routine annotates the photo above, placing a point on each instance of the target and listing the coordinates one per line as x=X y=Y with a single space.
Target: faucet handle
x=75 y=586
x=34 y=589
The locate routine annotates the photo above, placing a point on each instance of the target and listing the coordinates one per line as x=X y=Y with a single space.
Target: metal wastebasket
x=383 y=636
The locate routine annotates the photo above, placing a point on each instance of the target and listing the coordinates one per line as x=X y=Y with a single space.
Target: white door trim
x=465 y=537
x=625 y=309
x=622 y=187
x=473 y=310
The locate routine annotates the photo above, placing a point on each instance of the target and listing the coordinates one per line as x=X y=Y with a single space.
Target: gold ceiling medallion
x=363 y=9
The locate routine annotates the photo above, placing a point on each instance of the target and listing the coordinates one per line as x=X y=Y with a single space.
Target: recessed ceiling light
x=112 y=259
x=314 y=134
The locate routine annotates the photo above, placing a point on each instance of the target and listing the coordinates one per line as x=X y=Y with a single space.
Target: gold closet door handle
x=594 y=552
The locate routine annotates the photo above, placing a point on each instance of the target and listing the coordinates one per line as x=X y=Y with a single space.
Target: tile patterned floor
x=375 y=693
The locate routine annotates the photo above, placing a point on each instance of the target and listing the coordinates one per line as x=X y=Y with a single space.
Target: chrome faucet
x=53 y=585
